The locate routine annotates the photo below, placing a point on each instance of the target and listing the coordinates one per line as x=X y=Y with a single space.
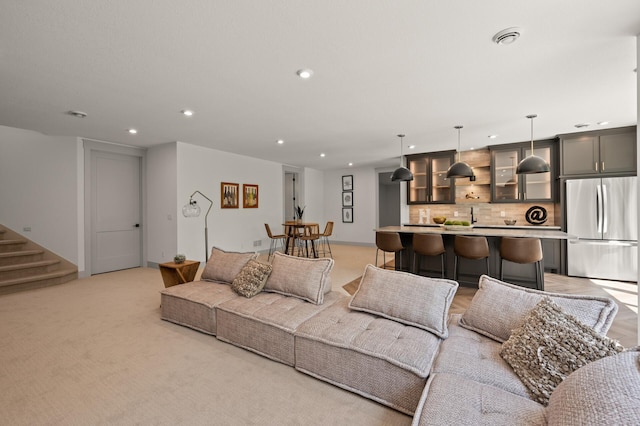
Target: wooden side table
x=178 y=273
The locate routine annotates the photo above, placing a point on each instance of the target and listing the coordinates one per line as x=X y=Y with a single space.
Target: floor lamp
x=192 y=209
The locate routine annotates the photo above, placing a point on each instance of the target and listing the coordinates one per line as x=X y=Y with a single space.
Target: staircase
x=25 y=265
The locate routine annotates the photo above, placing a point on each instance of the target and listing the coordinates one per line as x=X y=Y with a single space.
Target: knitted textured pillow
x=549 y=346
x=251 y=278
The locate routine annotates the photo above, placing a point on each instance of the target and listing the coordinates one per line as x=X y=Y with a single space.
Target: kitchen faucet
x=473 y=219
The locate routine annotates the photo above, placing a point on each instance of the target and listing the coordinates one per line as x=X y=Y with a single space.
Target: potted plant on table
x=299 y=213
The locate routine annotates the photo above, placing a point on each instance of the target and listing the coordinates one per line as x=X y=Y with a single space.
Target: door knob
x=137 y=225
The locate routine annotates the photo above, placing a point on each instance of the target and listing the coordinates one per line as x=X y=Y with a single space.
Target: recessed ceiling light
x=602 y=123
x=412 y=146
x=187 y=112
x=78 y=114
x=304 y=73
x=279 y=141
x=492 y=136
x=350 y=164
x=507 y=36
x=132 y=131
x=581 y=125
x=322 y=155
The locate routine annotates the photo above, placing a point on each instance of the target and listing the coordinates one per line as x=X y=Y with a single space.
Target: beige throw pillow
x=549 y=346
x=407 y=298
x=223 y=266
x=251 y=278
x=499 y=307
x=299 y=277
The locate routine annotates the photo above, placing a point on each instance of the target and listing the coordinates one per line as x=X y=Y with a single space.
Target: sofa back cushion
x=407 y=298
x=604 y=392
x=300 y=277
x=499 y=307
x=224 y=266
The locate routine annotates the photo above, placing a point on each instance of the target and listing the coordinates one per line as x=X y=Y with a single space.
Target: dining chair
x=274 y=240
x=309 y=235
x=324 y=240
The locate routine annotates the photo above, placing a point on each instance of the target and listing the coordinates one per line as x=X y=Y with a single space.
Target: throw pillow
x=407 y=298
x=251 y=278
x=499 y=307
x=299 y=277
x=223 y=266
x=549 y=346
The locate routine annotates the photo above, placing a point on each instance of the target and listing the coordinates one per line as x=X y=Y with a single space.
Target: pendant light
x=533 y=163
x=459 y=168
x=401 y=173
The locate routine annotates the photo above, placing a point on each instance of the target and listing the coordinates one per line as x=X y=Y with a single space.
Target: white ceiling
x=381 y=67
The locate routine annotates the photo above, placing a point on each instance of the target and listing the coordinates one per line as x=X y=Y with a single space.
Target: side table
x=178 y=273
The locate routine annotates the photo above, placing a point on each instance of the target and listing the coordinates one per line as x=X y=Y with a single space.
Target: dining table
x=294 y=230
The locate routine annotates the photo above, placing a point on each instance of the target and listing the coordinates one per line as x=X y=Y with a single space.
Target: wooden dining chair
x=324 y=240
x=274 y=240
x=309 y=236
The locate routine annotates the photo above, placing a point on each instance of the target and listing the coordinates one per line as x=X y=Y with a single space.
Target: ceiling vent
x=507 y=36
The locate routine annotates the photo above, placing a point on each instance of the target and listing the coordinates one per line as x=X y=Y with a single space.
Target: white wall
x=162 y=193
x=314 y=197
x=365 y=183
x=203 y=169
x=39 y=188
x=638 y=153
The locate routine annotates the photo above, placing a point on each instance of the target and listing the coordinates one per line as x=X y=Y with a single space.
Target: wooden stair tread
x=50 y=275
x=28 y=265
x=8 y=242
x=21 y=253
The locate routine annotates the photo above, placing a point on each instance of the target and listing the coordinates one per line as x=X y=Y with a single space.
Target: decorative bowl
x=439 y=219
x=509 y=221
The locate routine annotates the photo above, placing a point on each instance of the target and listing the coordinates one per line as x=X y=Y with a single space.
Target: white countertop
x=485 y=230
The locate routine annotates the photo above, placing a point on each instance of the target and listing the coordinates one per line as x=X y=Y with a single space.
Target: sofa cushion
x=550 y=345
x=265 y=323
x=476 y=357
x=223 y=266
x=499 y=307
x=192 y=304
x=380 y=359
x=449 y=399
x=606 y=391
x=408 y=298
x=299 y=277
x=251 y=278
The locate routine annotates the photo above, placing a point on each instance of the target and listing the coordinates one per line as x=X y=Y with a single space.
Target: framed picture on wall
x=347 y=199
x=347 y=215
x=347 y=183
x=249 y=196
x=229 y=195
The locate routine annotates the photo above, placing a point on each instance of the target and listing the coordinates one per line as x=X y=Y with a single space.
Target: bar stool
x=388 y=242
x=474 y=248
x=428 y=245
x=523 y=250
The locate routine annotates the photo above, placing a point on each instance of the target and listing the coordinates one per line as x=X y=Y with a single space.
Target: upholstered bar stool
x=523 y=250
x=428 y=245
x=388 y=242
x=474 y=248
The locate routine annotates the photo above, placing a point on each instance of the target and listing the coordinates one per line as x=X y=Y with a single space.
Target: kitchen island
x=470 y=271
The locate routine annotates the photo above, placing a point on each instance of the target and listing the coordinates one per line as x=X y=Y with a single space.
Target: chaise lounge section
x=394 y=341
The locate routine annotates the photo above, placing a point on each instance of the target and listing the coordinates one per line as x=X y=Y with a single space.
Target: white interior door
x=115 y=212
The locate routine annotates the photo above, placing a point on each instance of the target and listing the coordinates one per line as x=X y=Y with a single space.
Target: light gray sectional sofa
x=394 y=342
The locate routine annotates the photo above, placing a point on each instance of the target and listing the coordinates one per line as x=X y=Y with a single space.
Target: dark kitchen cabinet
x=429 y=184
x=606 y=152
x=509 y=187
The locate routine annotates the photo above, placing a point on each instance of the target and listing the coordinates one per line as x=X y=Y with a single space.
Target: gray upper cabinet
x=430 y=184
x=606 y=152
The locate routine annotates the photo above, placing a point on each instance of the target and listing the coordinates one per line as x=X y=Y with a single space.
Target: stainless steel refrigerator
x=602 y=213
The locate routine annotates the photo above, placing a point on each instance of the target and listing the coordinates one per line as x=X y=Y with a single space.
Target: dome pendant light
x=459 y=169
x=401 y=173
x=533 y=163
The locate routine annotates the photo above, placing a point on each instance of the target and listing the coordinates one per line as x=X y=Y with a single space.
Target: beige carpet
x=94 y=351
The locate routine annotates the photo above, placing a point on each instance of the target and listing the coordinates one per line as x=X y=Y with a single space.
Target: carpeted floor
x=94 y=351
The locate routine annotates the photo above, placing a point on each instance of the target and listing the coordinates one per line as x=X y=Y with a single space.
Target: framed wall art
x=249 y=196
x=347 y=183
x=347 y=215
x=347 y=199
x=229 y=195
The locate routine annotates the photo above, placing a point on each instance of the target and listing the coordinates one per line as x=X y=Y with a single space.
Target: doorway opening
x=388 y=200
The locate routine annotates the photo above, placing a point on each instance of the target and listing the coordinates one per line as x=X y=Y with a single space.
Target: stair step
x=11 y=245
x=27 y=269
x=37 y=281
x=2 y=232
x=22 y=256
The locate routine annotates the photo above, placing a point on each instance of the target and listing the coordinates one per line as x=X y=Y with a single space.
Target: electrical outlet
x=503 y=214
x=27 y=229
x=455 y=213
x=257 y=243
